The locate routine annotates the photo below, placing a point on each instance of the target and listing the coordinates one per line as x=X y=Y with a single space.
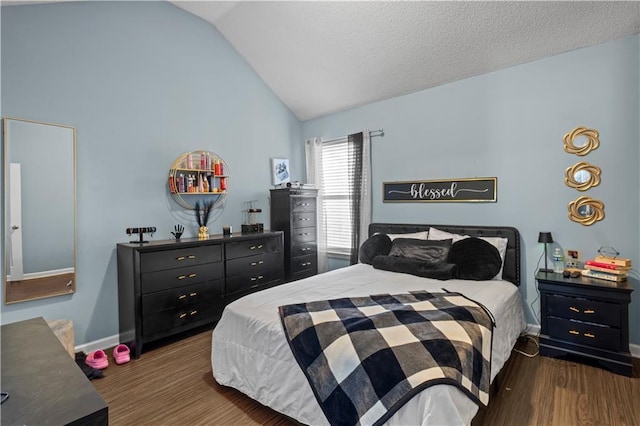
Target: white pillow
x=417 y=235
x=498 y=242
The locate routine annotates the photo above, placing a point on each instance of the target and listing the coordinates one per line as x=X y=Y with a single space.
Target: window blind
x=335 y=164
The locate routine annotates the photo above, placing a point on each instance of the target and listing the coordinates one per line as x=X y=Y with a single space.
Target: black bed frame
x=511 y=271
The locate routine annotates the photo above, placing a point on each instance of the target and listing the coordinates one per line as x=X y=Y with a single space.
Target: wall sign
x=472 y=190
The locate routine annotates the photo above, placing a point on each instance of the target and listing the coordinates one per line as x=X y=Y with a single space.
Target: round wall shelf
x=198 y=176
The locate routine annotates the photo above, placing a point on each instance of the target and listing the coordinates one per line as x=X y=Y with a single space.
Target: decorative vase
x=203 y=233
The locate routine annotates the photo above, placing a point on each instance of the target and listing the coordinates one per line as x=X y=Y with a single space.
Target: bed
x=251 y=353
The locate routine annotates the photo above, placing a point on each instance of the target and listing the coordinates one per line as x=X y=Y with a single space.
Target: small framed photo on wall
x=280 y=171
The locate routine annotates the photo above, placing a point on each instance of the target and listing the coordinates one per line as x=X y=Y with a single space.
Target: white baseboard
x=534 y=329
x=104 y=343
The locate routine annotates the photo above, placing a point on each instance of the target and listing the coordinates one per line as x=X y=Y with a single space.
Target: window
x=337 y=212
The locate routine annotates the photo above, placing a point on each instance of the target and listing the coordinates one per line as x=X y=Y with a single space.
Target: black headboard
x=511 y=271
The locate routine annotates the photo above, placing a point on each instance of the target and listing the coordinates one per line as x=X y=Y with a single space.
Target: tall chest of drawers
x=587 y=318
x=168 y=287
x=293 y=211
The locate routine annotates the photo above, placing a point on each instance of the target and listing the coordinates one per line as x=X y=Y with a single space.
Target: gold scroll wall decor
x=583 y=176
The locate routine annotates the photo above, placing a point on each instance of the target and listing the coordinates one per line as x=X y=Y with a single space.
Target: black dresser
x=168 y=287
x=293 y=211
x=587 y=318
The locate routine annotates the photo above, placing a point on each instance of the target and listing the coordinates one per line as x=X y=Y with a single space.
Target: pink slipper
x=97 y=359
x=121 y=354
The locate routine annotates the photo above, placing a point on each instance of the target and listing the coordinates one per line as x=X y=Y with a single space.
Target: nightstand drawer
x=180 y=277
x=252 y=247
x=584 y=333
x=302 y=235
x=168 y=259
x=583 y=310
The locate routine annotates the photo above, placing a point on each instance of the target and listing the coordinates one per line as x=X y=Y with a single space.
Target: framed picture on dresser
x=280 y=171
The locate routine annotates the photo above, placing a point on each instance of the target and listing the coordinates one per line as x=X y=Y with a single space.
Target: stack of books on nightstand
x=607 y=268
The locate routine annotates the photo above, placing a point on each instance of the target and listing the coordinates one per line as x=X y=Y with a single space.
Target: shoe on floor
x=97 y=359
x=121 y=354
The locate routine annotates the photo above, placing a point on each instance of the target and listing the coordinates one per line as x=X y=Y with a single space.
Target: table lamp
x=545 y=238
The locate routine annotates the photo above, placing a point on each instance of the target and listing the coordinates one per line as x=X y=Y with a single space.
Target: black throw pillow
x=375 y=245
x=420 y=268
x=476 y=259
x=432 y=251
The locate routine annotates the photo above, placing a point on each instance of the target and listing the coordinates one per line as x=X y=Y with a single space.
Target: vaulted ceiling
x=322 y=57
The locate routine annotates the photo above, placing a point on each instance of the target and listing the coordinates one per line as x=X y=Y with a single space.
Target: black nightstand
x=586 y=317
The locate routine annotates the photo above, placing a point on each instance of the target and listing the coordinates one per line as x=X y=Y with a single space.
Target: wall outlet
x=573 y=258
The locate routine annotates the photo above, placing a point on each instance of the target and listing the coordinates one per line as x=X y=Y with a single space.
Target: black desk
x=45 y=385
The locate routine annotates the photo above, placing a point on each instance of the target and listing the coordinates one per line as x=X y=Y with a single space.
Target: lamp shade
x=545 y=237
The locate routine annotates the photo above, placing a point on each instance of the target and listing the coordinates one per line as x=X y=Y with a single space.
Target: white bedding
x=250 y=352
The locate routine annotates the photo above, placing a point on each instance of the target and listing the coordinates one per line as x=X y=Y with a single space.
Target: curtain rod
x=372 y=133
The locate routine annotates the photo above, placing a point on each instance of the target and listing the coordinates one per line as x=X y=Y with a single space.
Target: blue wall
x=510 y=124
x=142 y=82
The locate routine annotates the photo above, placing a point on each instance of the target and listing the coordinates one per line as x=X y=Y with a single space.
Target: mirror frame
x=47 y=286
x=572 y=182
x=593 y=141
x=575 y=205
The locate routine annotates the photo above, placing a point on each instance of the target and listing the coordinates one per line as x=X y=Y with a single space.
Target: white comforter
x=250 y=352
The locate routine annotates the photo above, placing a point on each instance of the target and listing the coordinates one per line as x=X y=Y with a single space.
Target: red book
x=600 y=264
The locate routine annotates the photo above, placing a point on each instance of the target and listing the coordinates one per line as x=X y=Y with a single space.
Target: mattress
x=250 y=352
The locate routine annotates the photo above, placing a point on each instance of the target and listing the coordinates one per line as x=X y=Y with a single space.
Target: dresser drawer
x=252 y=247
x=303 y=220
x=301 y=249
x=179 y=277
x=302 y=204
x=176 y=258
x=181 y=297
x=584 y=310
x=206 y=311
x=254 y=265
x=584 y=333
x=303 y=235
x=304 y=263
x=254 y=281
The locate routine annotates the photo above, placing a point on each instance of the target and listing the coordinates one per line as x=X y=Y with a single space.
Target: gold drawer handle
x=259 y=246
x=589 y=335
x=182 y=296
x=182 y=277
x=193 y=312
x=257 y=263
x=193 y=294
x=306 y=264
x=192 y=275
x=573 y=332
x=182 y=316
x=259 y=277
x=571 y=308
x=191 y=256
x=179 y=258
x=589 y=311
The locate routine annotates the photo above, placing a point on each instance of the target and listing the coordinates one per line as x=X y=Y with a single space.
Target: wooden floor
x=173 y=384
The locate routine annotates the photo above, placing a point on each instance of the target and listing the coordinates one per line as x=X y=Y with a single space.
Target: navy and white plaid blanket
x=365 y=357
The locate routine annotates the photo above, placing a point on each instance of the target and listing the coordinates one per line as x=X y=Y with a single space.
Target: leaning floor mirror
x=39 y=210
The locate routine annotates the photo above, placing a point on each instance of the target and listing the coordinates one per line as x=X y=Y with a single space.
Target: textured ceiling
x=321 y=57
x=324 y=57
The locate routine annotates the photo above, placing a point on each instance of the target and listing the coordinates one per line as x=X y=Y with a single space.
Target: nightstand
x=586 y=317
